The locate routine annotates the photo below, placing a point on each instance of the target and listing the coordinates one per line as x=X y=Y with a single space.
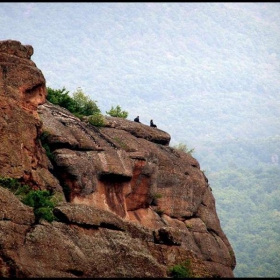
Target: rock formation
x=130 y=205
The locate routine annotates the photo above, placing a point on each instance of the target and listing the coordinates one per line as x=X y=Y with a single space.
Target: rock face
x=132 y=206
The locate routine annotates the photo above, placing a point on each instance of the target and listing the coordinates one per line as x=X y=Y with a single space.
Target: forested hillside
x=206 y=73
x=244 y=177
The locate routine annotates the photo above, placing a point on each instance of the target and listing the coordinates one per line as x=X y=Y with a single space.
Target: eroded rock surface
x=22 y=89
x=132 y=205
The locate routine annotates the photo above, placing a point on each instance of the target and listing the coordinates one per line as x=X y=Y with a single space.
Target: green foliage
x=10 y=183
x=79 y=105
x=60 y=97
x=246 y=185
x=183 y=148
x=22 y=191
x=83 y=104
x=181 y=270
x=18 y=189
x=45 y=213
x=40 y=200
x=117 y=112
x=245 y=179
x=96 y=119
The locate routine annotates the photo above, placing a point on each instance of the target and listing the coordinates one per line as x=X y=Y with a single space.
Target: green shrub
x=22 y=191
x=60 y=97
x=18 y=189
x=83 y=104
x=117 y=112
x=10 y=183
x=96 y=119
x=181 y=270
x=79 y=104
x=45 y=213
x=40 y=200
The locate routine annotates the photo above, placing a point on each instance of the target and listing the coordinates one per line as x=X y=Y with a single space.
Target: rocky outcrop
x=132 y=206
x=22 y=89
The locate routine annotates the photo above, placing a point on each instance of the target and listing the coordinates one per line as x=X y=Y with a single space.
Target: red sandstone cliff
x=134 y=206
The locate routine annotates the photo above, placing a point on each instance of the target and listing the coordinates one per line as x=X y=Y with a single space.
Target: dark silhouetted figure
x=152 y=124
x=137 y=119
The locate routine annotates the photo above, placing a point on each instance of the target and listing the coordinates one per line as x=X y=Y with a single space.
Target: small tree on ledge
x=117 y=112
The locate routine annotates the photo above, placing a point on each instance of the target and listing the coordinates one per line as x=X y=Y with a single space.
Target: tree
x=96 y=119
x=79 y=105
x=60 y=97
x=117 y=112
x=83 y=104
